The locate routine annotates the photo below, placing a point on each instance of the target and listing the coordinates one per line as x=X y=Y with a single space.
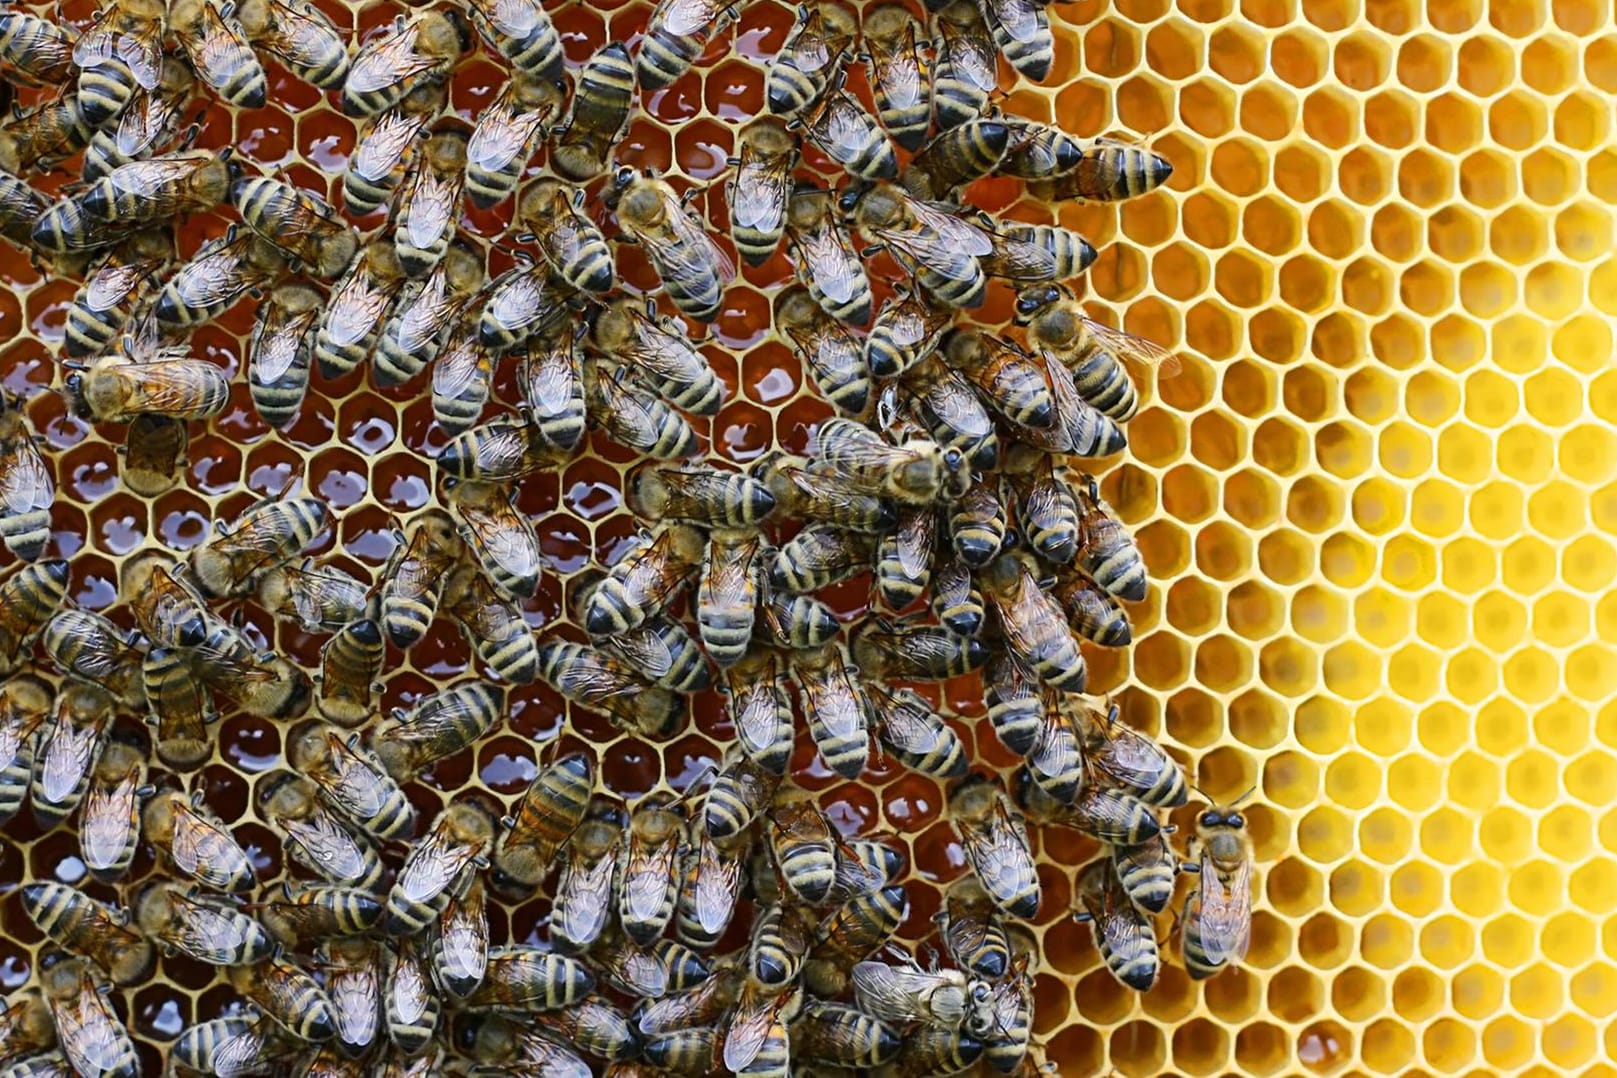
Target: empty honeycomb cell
x=1193 y=718
x=1507 y=1043
x=1590 y=988
x=1251 y=498
x=1416 y=889
x=1200 y=1047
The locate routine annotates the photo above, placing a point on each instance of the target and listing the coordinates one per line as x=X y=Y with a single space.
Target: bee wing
x=214 y=276
x=647 y=881
x=1226 y=911
x=808 y=50
x=114 y=284
x=145 y=178
x=749 y=1029
x=732 y=582
x=842 y=125
x=1022 y=261
x=140 y=123
x=647 y=651
x=301 y=35
x=91 y=1037
x=1018 y=18
x=142 y=51
x=681 y=18
x=1132 y=760
x=431 y=208
x=758 y=194
x=901 y=78
x=352 y=783
x=570 y=232
x=552 y=381
x=380 y=150
x=241 y=1053
x=954 y=233
x=387 y=62
x=689 y=249
x=513 y=18
x=513 y=299
x=1022 y=610
x=718 y=882
x=424 y=317
x=975 y=59
x=504 y=537
x=835 y=703
x=432 y=867
x=222 y=51
x=277 y=348
x=328 y=844
x=104 y=822
x=502 y=134
x=1125 y=345
x=356 y=309
x=25 y=482
x=836 y=270
x=456 y=369
x=957 y=406
x=67 y=758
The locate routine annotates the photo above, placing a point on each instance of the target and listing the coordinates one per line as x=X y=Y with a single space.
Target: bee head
x=848 y=199
x=1031 y=300
x=76 y=398
x=462 y=28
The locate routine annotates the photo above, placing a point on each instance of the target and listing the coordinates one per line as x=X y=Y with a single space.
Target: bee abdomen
x=1101 y=380
x=104 y=91
x=664 y=58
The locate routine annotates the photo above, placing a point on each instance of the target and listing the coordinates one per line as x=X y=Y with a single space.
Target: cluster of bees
x=950 y=473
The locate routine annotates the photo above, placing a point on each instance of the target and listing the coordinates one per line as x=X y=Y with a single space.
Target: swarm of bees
x=727 y=926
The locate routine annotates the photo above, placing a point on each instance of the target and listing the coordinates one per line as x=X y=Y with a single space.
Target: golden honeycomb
x=1378 y=503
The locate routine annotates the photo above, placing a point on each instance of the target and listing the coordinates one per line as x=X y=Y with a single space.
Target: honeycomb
x=1375 y=504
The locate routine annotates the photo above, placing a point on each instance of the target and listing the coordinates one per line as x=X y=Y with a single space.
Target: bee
x=907 y=330
x=113 y=291
x=353 y=976
x=648 y=868
x=1047 y=508
x=68 y=750
x=704 y=1004
x=930 y=1050
x=996 y=845
x=220 y=273
x=804 y=845
x=28 y=599
x=837 y=708
x=569 y=240
x=550 y=811
x=1033 y=625
x=300 y=36
x=899 y=74
x=758 y=190
x=841 y=128
x=1216 y=924
x=21 y=207
x=196 y=842
x=813 y=54
x=436 y=726
x=350 y=669
x=314 y=837
x=1039 y=151
x=301 y=224
x=386 y=148
x=208 y=930
x=638 y=418
x=593 y=1025
x=34 y=50
x=437 y=867
x=677 y=32
x=427 y=211
x=795 y=622
x=320 y=598
x=956 y=156
x=825 y=261
x=351 y=782
x=1110 y=815
x=26 y=489
x=664 y=651
x=24 y=705
x=107 y=82
x=109 y=822
x=524 y=303
x=503 y=1046
x=552 y=377
x=280 y=691
x=151 y=121
x=829 y=349
x=118 y=388
x=711 y=887
x=217 y=46
x=89 y=646
x=1070 y=254
x=603 y=97
x=414 y=579
x=1056 y=764
x=944 y=999
x=25 y=1029
x=818 y=556
x=1006 y=377
x=1123 y=934
x=501 y=539
x=944 y=404
x=904 y=558
x=741 y=791
x=918 y=736
x=1093 y=614
x=819 y=496
x=700 y=494
x=781 y=936
x=689 y=1051
x=659 y=354
x=916 y=652
x=460 y=948
x=1021 y=31
x=838 y=1035
x=181 y=708
x=916 y=472
x=692 y=267
x=422 y=49
x=645 y=579
x=168 y=612
x=1107 y=552
x=973 y=933
x=508 y=131
x=87 y=1029
x=411 y=1002
x=287 y=995
x=941 y=248
x=522 y=32
x=494 y=627
x=956 y=600
x=312 y=913
x=757 y=1041
x=760 y=704
x=352 y=320
x=1109 y=171
x=45 y=135
x=84 y=926
x=1092 y=352
x=869 y=910
x=583 y=892
x=967 y=65
x=141 y=193
x=154 y=454
x=231 y=1045
x=1147 y=873
x=1005 y=1048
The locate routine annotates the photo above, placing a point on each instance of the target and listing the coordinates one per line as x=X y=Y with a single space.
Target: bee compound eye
x=1209 y=819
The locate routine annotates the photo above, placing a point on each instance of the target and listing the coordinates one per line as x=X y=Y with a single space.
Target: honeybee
x=1070 y=254
x=812 y=55
x=917 y=735
x=711 y=887
x=820 y=496
x=34 y=50
x=828 y=348
x=118 y=389
x=757 y=1041
x=760 y=705
x=196 y=842
x=181 y=708
x=841 y=128
x=109 y=822
x=904 y=557
x=168 y=612
x=956 y=600
x=552 y=377
x=414 y=579
x=1007 y=378
x=647 y=576
x=84 y=926
x=664 y=651
x=1093 y=614
x=502 y=450
x=28 y=599
x=1123 y=935
x=122 y=45
x=1021 y=31
x=677 y=32
x=353 y=319
x=320 y=598
x=1106 y=551
x=1147 y=873
x=1047 y=508
x=550 y=811
x=208 y=930
x=44 y=136
x=140 y=193
x=915 y=652
x=996 y=845
x=386 y=147
x=595 y=680
x=818 y=556
x=1092 y=351
x=232 y=1045
x=314 y=837
x=740 y=791
x=502 y=1046
x=24 y=705
x=781 y=936
x=508 y=131
x=583 y=892
x=113 y=291
x=825 y=260
x=151 y=121
x=700 y=494
x=220 y=273
x=502 y=540
x=350 y=666
x=1109 y=171
x=942 y=248
x=1033 y=625
x=836 y=707
x=592 y=1025
x=1055 y=763
x=267 y=534
x=25 y=1029
x=657 y=352
x=972 y=931
x=1039 y=151
x=427 y=211
x=437 y=867
x=301 y=224
x=955 y=157
x=839 y=1035
x=351 y=781
x=905 y=995
x=856 y=929
x=899 y=74
x=312 y=913
x=804 y=845
x=219 y=51
x=523 y=303
x=758 y=189
x=522 y=32
x=968 y=66
x=702 y=1005
x=20 y=208
x=68 y=750
x=693 y=268
x=795 y=622
x=300 y=36
x=727 y=597
x=460 y=948
x=411 y=1002
x=1216 y=924
x=638 y=418
x=648 y=868
x=89 y=646
x=494 y=627
x=153 y=454
x=688 y=1051
x=1112 y=815
x=569 y=240
x=422 y=49
x=436 y=726
x=603 y=97
x=916 y=472
x=907 y=330
x=287 y=995
x=944 y=403
x=26 y=489
x=353 y=977
x=87 y=1029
